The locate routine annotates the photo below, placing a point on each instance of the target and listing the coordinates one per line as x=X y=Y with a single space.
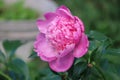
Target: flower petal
x=50 y=15
x=62 y=64
x=44 y=48
x=82 y=47
x=44 y=58
x=65 y=8
x=42 y=25
x=64 y=11
x=67 y=50
x=80 y=23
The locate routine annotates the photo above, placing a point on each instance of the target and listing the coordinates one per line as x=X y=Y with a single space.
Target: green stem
x=64 y=76
x=89 y=58
x=4 y=75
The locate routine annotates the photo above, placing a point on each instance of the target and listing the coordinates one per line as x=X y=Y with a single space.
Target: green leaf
x=79 y=60
x=110 y=64
x=113 y=51
x=93 y=48
x=104 y=46
x=52 y=77
x=47 y=74
x=100 y=70
x=109 y=69
x=4 y=76
x=99 y=40
x=15 y=76
x=76 y=71
x=112 y=76
x=91 y=73
x=113 y=59
x=33 y=54
x=94 y=44
x=113 y=56
x=2 y=56
x=19 y=66
x=98 y=48
x=11 y=46
x=94 y=35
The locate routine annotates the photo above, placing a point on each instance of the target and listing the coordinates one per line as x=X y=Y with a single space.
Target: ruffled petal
x=65 y=8
x=62 y=64
x=44 y=48
x=82 y=47
x=80 y=23
x=50 y=15
x=42 y=25
x=67 y=50
x=64 y=11
x=44 y=58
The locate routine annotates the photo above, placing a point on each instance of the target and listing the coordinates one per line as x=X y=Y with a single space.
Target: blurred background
x=18 y=22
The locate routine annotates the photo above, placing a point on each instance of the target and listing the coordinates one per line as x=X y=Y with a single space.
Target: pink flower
x=61 y=39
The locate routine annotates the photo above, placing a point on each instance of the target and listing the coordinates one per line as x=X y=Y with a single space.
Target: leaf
x=33 y=54
x=91 y=73
x=113 y=56
x=4 y=76
x=110 y=69
x=98 y=48
x=15 y=76
x=52 y=77
x=11 y=46
x=82 y=59
x=114 y=51
x=46 y=74
x=2 y=56
x=19 y=66
x=113 y=59
x=94 y=35
x=93 y=50
x=110 y=63
x=100 y=70
x=112 y=76
x=75 y=72
x=94 y=44
x=98 y=40
x=105 y=45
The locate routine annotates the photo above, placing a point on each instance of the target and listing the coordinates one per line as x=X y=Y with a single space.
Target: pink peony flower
x=61 y=39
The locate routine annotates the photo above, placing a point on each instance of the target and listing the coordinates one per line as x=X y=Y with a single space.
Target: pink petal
x=67 y=50
x=65 y=8
x=63 y=11
x=42 y=25
x=44 y=48
x=44 y=58
x=50 y=15
x=82 y=47
x=62 y=64
x=80 y=23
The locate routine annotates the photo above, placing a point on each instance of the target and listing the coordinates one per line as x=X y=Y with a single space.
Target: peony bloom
x=61 y=39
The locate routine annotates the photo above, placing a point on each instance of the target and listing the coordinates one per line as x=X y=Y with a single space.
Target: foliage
x=11 y=67
x=16 y=12
x=99 y=15
x=100 y=63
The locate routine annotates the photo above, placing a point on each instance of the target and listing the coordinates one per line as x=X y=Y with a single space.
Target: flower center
x=62 y=32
